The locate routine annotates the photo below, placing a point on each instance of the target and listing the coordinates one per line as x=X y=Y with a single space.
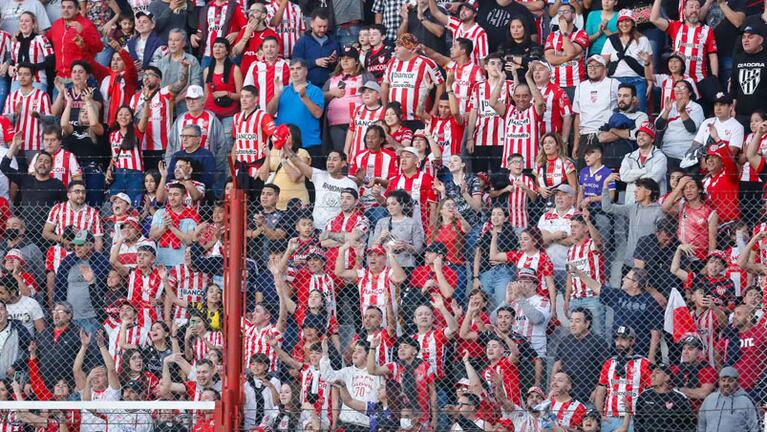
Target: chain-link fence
x=637 y=309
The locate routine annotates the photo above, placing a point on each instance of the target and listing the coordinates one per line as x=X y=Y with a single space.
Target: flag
x=678 y=319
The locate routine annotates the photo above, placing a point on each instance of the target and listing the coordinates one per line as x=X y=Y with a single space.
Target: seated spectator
x=15 y=237
x=398 y=136
x=693 y=377
x=192 y=151
x=679 y=121
x=618 y=135
x=13 y=266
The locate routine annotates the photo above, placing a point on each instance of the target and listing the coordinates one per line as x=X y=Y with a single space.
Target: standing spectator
x=265 y=72
x=523 y=122
x=416 y=183
x=461 y=70
x=655 y=252
x=699 y=55
x=722 y=129
x=387 y=12
x=400 y=227
x=694 y=377
x=15 y=344
x=579 y=355
x=25 y=105
x=37 y=50
x=371 y=170
x=172 y=227
x=252 y=36
x=725 y=19
x=624 y=377
x=555 y=229
x=365 y=115
x=320 y=51
x=466 y=27
x=558 y=115
x=73 y=37
x=565 y=50
x=379 y=55
x=173 y=14
x=12 y=10
x=591 y=185
x=622 y=52
x=676 y=72
x=74 y=212
x=747 y=64
x=618 y=135
x=420 y=22
x=81 y=282
x=15 y=237
x=191 y=151
x=594 y=101
x=58 y=344
x=219 y=19
x=223 y=85
x=495 y=16
x=119 y=85
x=662 y=407
x=585 y=255
x=753 y=352
x=714 y=412
x=348 y=16
x=287 y=19
x=491 y=276
x=15 y=292
x=532 y=310
x=488 y=101
x=287 y=176
x=300 y=103
x=450 y=229
x=251 y=127
x=646 y=162
x=679 y=120
x=144 y=46
x=600 y=25
x=171 y=64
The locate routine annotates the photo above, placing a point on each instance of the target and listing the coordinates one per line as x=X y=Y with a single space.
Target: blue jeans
x=347 y=36
x=597 y=312
x=640 y=85
x=460 y=290
x=4 y=86
x=725 y=70
x=90 y=325
x=494 y=282
x=94 y=178
x=104 y=58
x=613 y=423
x=129 y=181
x=657 y=40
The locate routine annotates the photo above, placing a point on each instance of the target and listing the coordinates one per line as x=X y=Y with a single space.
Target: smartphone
x=341 y=85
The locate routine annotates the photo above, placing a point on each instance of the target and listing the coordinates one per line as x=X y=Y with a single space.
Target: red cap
x=717 y=254
x=647 y=128
x=376 y=250
x=280 y=136
x=133 y=223
x=7 y=130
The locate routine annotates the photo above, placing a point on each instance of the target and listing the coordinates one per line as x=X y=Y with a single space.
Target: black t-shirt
x=376 y=61
x=657 y=261
x=495 y=20
x=507 y=241
x=659 y=412
x=582 y=360
x=749 y=81
x=425 y=36
x=725 y=33
x=87 y=149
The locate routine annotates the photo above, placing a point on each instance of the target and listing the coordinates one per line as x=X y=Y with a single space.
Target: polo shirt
x=292 y=110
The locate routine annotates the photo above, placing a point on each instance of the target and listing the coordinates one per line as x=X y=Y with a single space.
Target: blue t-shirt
x=641 y=312
x=292 y=110
x=592 y=184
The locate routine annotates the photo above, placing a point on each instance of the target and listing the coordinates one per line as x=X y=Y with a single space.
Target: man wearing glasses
x=74 y=212
x=191 y=150
x=593 y=103
x=564 y=50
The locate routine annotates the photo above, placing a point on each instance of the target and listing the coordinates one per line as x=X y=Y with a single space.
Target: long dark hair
x=227 y=61
x=130 y=141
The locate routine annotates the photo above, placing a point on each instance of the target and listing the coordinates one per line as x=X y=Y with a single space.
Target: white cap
x=123 y=196
x=410 y=149
x=194 y=92
x=597 y=58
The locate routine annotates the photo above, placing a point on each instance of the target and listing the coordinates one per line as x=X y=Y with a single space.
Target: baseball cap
x=133 y=223
x=82 y=237
x=754 y=25
x=437 y=247
x=566 y=188
x=124 y=301
x=351 y=191
x=123 y=196
x=723 y=98
x=372 y=85
x=350 y=52
x=625 y=14
x=647 y=128
x=692 y=341
x=410 y=149
x=315 y=255
x=376 y=250
x=728 y=372
x=15 y=254
x=625 y=332
x=527 y=274
x=463 y=382
x=194 y=92
x=597 y=58
x=468 y=4
x=717 y=254
x=665 y=367
x=145 y=13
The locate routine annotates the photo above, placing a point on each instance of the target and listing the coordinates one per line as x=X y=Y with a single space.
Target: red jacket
x=63 y=37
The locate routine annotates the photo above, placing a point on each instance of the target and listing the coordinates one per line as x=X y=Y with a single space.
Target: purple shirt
x=592 y=184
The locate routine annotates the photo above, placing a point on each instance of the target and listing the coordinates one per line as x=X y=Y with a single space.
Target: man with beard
x=569 y=412
x=753 y=351
x=623 y=378
x=662 y=407
x=729 y=408
x=593 y=103
x=616 y=138
x=250 y=37
x=694 y=377
x=267 y=71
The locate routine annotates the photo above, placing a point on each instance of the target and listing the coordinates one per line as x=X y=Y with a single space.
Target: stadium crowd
x=490 y=215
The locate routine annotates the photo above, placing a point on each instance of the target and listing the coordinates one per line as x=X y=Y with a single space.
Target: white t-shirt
x=595 y=102
x=676 y=139
x=3 y=178
x=90 y=422
x=551 y=221
x=361 y=385
x=633 y=50
x=730 y=131
x=327 y=203
x=27 y=310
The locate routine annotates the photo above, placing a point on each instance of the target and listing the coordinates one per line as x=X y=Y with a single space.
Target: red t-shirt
x=452 y=237
x=753 y=353
x=253 y=45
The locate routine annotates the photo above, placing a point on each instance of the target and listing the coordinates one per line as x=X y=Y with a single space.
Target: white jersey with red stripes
x=204 y=121
x=518 y=200
x=64 y=166
x=555 y=171
x=433 y=344
x=522 y=132
x=625 y=387
x=188 y=285
x=262 y=75
x=250 y=131
x=473 y=32
x=31 y=101
x=257 y=341
x=666 y=84
x=292 y=26
x=749 y=174
x=216 y=19
x=377 y=164
x=125 y=159
x=54 y=256
x=535 y=333
x=6 y=39
x=572 y=72
x=569 y=414
x=160 y=118
x=375 y=290
x=558 y=106
x=410 y=82
x=202 y=344
x=448 y=134
x=489 y=129
x=586 y=257
x=466 y=77
x=39 y=48
x=86 y=217
x=142 y=290
x=313 y=383
x=134 y=335
x=362 y=118
x=9 y=422
x=694 y=44
x=734 y=272
x=385 y=348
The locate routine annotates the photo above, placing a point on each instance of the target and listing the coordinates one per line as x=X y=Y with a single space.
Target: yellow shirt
x=288 y=188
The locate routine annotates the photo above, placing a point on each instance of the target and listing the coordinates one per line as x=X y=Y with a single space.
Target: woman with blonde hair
x=450 y=229
x=554 y=167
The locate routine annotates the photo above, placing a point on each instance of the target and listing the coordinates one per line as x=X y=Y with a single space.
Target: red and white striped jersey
x=490 y=126
x=569 y=414
x=448 y=134
x=373 y=289
x=694 y=44
x=509 y=374
x=257 y=341
x=134 y=335
x=9 y=422
x=262 y=75
x=433 y=344
x=34 y=101
x=142 y=289
x=666 y=84
x=204 y=121
x=378 y=164
x=39 y=48
x=6 y=39
x=201 y=344
x=126 y=159
x=518 y=199
x=63 y=215
x=127 y=253
x=63 y=168
x=557 y=107
x=554 y=173
x=189 y=286
x=292 y=26
x=385 y=349
x=522 y=130
x=216 y=19
x=54 y=256
x=540 y=262
x=410 y=81
x=587 y=257
x=572 y=72
x=535 y=333
x=466 y=77
x=474 y=33
x=734 y=272
x=749 y=174
x=250 y=132
x=362 y=118
x=313 y=383
x=344 y=223
x=707 y=326
x=624 y=387
x=160 y=118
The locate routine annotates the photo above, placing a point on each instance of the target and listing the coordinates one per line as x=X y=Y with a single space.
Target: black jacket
x=663 y=412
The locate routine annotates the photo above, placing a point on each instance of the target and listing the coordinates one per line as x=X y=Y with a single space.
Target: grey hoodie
x=732 y=413
x=641 y=221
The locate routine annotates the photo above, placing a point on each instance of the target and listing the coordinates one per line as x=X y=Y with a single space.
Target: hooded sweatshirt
x=735 y=413
x=641 y=221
